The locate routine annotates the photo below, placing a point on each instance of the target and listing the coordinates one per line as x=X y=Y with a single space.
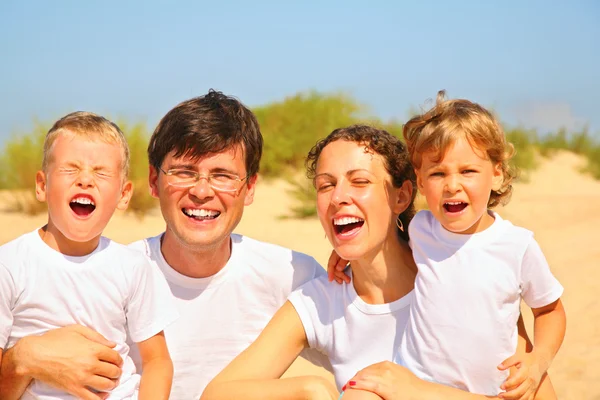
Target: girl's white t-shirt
x=463 y=320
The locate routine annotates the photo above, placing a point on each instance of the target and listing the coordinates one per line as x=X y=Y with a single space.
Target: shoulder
x=319 y=294
x=271 y=256
x=124 y=255
x=147 y=245
x=422 y=221
x=15 y=252
x=511 y=234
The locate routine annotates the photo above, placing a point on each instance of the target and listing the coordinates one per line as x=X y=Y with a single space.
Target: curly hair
x=437 y=129
x=393 y=151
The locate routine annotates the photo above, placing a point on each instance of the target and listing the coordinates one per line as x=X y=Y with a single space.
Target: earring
x=399 y=224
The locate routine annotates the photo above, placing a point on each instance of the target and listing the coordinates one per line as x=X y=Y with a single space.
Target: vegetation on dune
x=290 y=128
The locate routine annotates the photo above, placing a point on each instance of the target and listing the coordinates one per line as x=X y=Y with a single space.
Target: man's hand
x=524 y=382
x=335 y=268
x=74 y=359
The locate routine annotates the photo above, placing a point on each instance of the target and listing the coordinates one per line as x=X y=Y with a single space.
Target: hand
x=335 y=268
x=524 y=379
x=74 y=359
x=387 y=380
x=319 y=388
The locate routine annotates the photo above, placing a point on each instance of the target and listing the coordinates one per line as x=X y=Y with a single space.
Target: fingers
x=108 y=370
x=109 y=356
x=520 y=393
x=87 y=394
x=92 y=335
x=100 y=383
x=510 y=362
x=375 y=389
x=331 y=265
x=516 y=379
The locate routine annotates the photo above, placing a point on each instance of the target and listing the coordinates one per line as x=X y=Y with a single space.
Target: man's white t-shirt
x=463 y=320
x=350 y=332
x=223 y=314
x=113 y=290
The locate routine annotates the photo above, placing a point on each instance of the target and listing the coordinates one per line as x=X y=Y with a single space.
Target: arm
x=157 y=368
x=255 y=373
x=73 y=359
x=550 y=324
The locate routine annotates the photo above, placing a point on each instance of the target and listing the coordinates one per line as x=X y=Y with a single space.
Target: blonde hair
x=437 y=129
x=91 y=126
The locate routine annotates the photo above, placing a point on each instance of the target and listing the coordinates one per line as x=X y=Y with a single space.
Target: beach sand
x=558 y=203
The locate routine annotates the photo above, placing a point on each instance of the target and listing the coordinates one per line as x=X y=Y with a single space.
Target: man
x=204 y=158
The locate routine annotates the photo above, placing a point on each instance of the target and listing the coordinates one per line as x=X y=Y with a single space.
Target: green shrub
x=524 y=159
x=305 y=198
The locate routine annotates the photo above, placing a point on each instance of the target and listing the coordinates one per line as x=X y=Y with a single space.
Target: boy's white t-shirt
x=350 y=332
x=113 y=291
x=223 y=314
x=463 y=320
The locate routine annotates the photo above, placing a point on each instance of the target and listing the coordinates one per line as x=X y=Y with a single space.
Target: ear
x=498 y=177
x=40 y=186
x=419 y=180
x=404 y=195
x=153 y=181
x=126 y=193
x=249 y=198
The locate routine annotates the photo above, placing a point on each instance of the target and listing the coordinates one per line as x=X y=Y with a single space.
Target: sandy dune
x=559 y=204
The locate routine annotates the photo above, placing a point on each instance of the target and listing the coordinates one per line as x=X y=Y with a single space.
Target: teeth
x=346 y=220
x=195 y=212
x=454 y=203
x=83 y=200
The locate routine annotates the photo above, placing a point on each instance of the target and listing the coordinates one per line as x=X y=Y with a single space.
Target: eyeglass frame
x=208 y=178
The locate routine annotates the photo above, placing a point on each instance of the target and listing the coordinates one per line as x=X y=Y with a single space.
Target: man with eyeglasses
x=204 y=157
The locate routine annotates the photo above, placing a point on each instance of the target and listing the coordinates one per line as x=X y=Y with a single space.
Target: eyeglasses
x=219 y=181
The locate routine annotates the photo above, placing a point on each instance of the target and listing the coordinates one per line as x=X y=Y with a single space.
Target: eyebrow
x=192 y=167
x=349 y=172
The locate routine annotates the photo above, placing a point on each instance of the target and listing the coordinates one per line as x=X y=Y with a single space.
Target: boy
x=66 y=273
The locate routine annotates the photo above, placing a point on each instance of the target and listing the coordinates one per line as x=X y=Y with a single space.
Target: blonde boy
x=66 y=273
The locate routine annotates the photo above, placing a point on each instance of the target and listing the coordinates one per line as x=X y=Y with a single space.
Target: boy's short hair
x=206 y=125
x=437 y=129
x=91 y=126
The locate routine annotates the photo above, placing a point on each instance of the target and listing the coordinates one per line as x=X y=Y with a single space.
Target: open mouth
x=347 y=225
x=200 y=214
x=455 y=206
x=82 y=205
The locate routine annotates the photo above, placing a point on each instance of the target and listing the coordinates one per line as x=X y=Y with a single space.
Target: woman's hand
x=335 y=268
x=388 y=380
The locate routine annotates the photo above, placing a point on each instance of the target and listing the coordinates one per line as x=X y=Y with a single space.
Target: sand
x=559 y=203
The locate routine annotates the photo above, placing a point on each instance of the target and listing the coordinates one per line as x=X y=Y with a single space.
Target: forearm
x=296 y=388
x=546 y=390
x=157 y=377
x=13 y=376
x=548 y=334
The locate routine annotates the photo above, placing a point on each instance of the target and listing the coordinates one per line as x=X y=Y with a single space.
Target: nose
x=453 y=184
x=202 y=188
x=85 y=179
x=341 y=194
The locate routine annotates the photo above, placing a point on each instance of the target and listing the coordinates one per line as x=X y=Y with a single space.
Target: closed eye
x=469 y=171
x=324 y=186
x=437 y=174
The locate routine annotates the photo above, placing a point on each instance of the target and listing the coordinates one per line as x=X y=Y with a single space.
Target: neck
x=194 y=262
x=386 y=274
x=59 y=242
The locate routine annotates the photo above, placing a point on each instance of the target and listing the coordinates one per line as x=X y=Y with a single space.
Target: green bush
x=524 y=142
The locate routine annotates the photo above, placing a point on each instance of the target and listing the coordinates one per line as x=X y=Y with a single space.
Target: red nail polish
x=343 y=388
x=352 y=383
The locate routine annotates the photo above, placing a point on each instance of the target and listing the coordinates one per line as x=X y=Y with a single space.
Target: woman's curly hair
x=437 y=129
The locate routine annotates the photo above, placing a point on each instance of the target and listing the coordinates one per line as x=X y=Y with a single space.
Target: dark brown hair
x=206 y=125
x=437 y=129
x=379 y=141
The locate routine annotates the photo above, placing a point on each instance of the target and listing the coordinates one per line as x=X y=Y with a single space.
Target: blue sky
x=537 y=63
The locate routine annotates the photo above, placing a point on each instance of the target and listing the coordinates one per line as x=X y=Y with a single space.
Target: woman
x=365 y=198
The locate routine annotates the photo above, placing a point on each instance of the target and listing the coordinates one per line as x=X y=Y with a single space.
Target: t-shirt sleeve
x=7 y=291
x=313 y=305
x=538 y=286
x=151 y=307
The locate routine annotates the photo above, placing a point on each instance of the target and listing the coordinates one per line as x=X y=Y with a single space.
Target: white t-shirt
x=113 y=291
x=463 y=320
x=223 y=314
x=350 y=332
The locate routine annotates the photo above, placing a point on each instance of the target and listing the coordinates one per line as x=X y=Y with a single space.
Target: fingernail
x=352 y=383
x=343 y=388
